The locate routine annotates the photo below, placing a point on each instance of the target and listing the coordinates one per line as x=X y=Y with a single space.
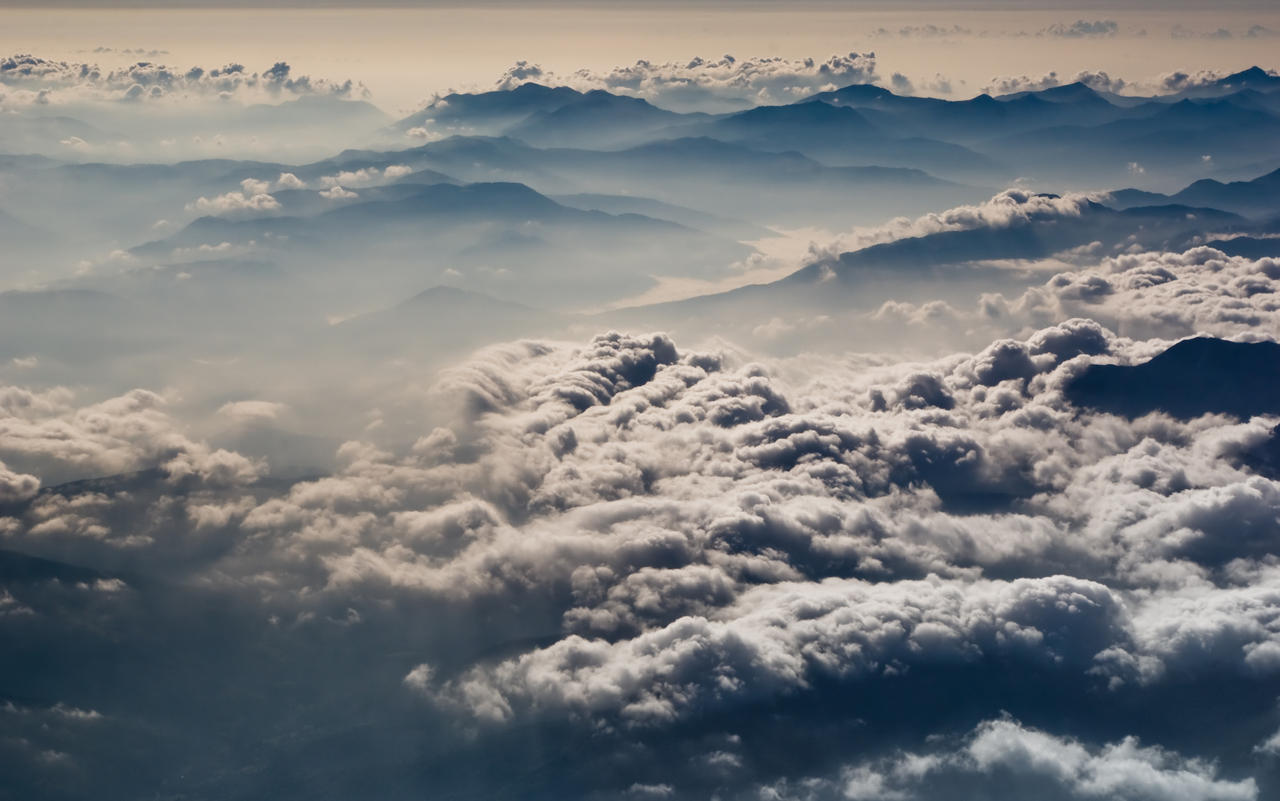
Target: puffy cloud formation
x=1140 y=295
x=1162 y=296
x=365 y=176
x=251 y=199
x=1003 y=752
x=46 y=80
x=337 y=192
x=1082 y=28
x=724 y=81
x=16 y=486
x=47 y=434
x=775 y=640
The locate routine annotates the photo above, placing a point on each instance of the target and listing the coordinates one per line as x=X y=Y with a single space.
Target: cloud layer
x=697 y=533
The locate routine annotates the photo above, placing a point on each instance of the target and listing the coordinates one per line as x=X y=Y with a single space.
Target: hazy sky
x=404 y=56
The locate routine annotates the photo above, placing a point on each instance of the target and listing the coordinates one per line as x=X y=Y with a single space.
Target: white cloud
x=711 y=81
x=50 y=80
x=288 y=180
x=366 y=176
x=1082 y=28
x=249 y=201
x=336 y=192
x=252 y=410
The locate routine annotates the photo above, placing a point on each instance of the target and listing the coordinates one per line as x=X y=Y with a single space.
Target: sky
x=406 y=55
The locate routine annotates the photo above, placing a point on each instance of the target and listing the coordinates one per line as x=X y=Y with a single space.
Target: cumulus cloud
x=782 y=638
x=16 y=486
x=1157 y=296
x=49 y=80
x=288 y=180
x=1002 y=751
x=1082 y=29
x=51 y=436
x=337 y=192
x=366 y=176
x=805 y=565
x=726 y=80
x=252 y=199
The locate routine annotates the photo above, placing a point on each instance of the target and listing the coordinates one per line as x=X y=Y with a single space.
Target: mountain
x=956 y=266
x=488 y=112
x=1148 y=226
x=682 y=215
x=1170 y=139
x=1078 y=94
x=1254 y=78
x=597 y=119
x=546 y=116
x=761 y=186
x=500 y=238
x=975 y=119
x=51 y=323
x=59 y=135
x=442 y=317
x=1194 y=377
x=316 y=109
x=839 y=135
x=1259 y=197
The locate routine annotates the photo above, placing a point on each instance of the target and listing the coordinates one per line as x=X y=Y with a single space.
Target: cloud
x=288 y=180
x=1002 y=752
x=926 y=31
x=727 y=80
x=1082 y=29
x=16 y=486
x=1182 y=32
x=336 y=192
x=65 y=81
x=1160 y=296
x=694 y=533
x=50 y=436
x=252 y=199
x=1013 y=206
x=251 y=410
x=782 y=638
x=366 y=176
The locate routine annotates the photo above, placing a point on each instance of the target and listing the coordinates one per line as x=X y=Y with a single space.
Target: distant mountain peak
x=1251 y=74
